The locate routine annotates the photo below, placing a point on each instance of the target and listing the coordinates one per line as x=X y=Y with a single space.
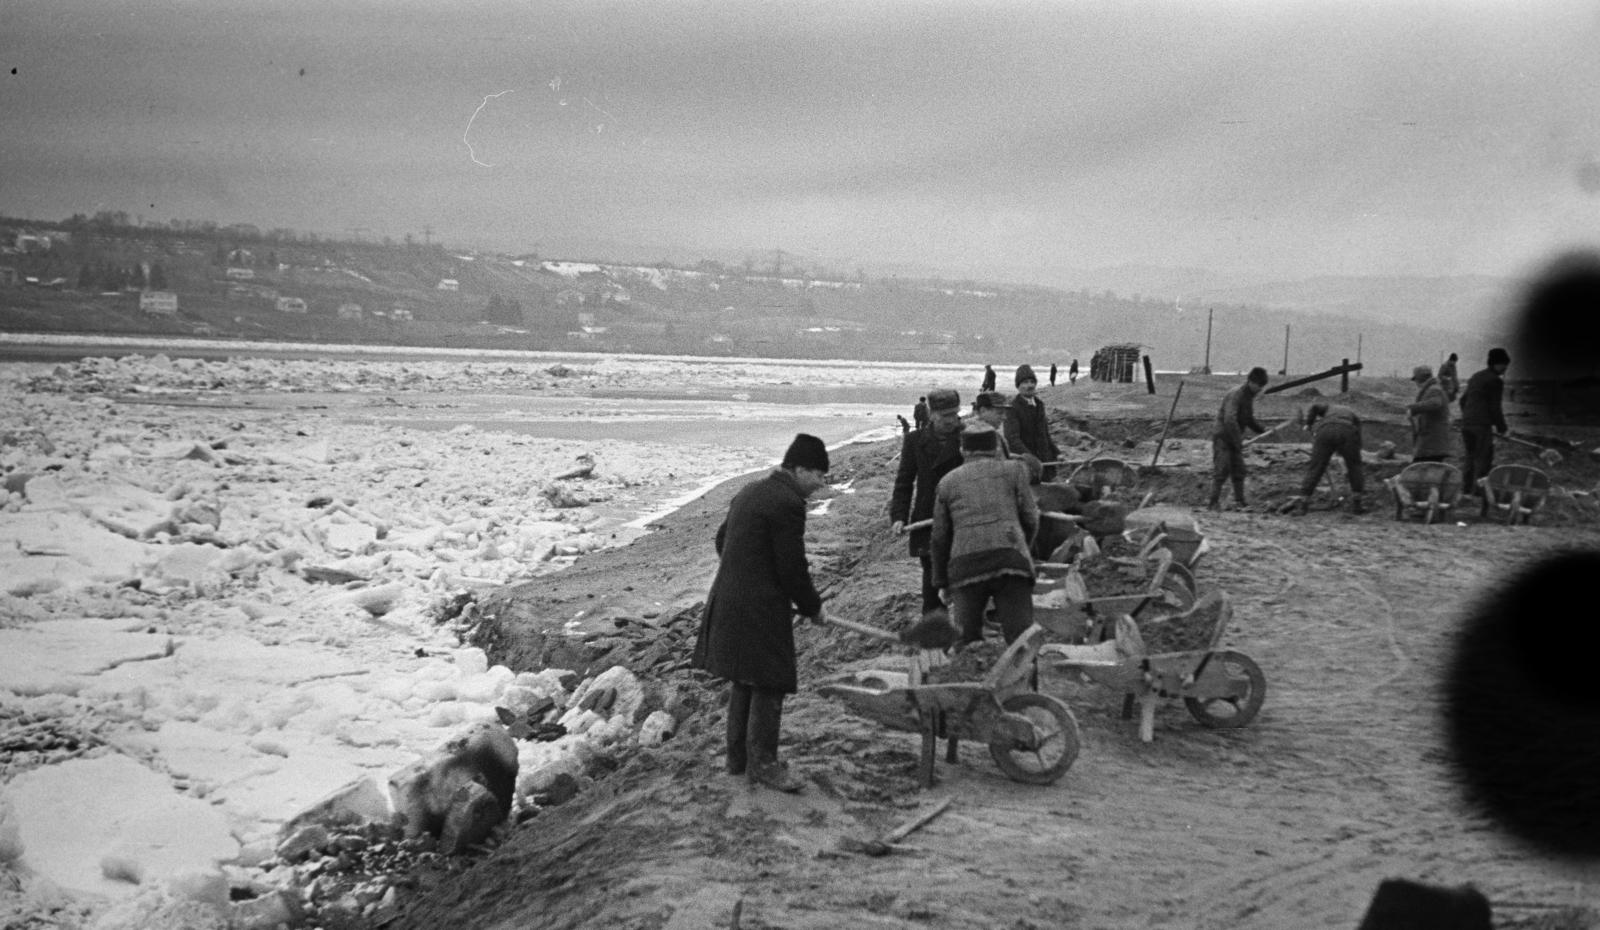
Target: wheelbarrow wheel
x=1058 y=744
x=1234 y=711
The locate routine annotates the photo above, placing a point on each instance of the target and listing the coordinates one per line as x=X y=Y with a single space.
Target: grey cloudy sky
x=1289 y=138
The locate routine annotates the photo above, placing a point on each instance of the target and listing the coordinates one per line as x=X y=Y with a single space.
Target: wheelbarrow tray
x=1002 y=710
x=1429 y=489
x=1201 y=677
x=972 y=711
x=1087 y=620
x=1517 y=490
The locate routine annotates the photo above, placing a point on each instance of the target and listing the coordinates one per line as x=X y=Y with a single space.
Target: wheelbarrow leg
x=1147 y=717
x=930 y=742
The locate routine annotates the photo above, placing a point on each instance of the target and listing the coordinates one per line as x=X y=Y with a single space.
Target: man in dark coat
x=926 y=455
x=919 y=413
x=988 y=378
x=1072 y=372
x=747 y=632
x=1335 y=430
x=1482 y=417
x=1236 y=414
x=1052 y=374
x=1027 y=428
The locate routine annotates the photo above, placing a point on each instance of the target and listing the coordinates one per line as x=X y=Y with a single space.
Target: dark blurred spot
x=1522 y=712
x=302 y=72
x=1558 y=331
x=1588 y=174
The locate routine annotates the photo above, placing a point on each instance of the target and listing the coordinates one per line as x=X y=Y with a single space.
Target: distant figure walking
x=1449 y=379
x=1052 y=374
x=904 y=426
x=988 y=378
x=1072 y=373
x=920 y=412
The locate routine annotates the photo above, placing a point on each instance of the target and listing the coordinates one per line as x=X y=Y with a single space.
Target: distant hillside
x=228 y=282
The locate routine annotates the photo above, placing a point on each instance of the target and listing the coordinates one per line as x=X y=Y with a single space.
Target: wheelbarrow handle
x=919 y=525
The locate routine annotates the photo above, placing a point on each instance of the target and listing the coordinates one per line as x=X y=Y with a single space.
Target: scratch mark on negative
x=470 y=153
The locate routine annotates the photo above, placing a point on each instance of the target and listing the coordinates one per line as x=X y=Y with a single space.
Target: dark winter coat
x=984 y=521
x=925 y=457
x=747 y=632
x=1430 y=418
x=1236 y=414
x=1028 y=429
x=1480 y=402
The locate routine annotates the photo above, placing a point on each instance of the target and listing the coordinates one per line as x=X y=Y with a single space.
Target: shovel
x=933 y=631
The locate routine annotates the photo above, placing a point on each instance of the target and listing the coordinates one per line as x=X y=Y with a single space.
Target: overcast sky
x=1287 y=138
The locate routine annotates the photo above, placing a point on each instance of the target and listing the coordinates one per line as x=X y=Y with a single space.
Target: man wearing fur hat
x=990 y=407
x=1237 y=414
x=984 y=521
x=1027 y=428
x=1482 y=417
x=1430 y=418
x=747 y=630
x=926 y=455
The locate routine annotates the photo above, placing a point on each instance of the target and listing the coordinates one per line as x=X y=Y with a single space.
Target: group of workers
x=1336 y=430
x=963 y=488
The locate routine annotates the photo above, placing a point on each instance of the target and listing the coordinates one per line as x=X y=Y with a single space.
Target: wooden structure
x=1429 y=488
x=1516 y=490
x=1115 y=363
x=1032 y=737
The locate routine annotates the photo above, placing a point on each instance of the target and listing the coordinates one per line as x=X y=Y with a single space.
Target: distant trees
x=501 y=310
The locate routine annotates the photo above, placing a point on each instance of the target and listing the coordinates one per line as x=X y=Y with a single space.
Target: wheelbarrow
x=1100 y=478
x=1032 y=737
x=1517 y=490
x=1429 y=488
x=1064 y=606
x=1181 y=531
x=1172 y=657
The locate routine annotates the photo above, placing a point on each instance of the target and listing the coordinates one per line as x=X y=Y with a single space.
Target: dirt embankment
x=1291 y=822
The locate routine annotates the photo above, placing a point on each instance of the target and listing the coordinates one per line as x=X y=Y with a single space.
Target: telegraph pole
x=1358 y=352
x=1209 y=312
x=1285 y=349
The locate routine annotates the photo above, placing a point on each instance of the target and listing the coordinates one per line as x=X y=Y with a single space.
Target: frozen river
x=222 y=577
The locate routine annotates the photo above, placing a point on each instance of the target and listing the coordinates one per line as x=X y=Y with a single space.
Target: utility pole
x=1358 y=353
x=1209 y=312
x=1285 y=350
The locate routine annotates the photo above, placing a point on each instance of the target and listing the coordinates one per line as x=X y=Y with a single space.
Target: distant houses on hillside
x=349 y=311
x=448 y=284
x=290 y=305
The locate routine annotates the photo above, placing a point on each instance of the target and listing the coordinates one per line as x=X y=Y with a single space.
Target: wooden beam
x=1335 y=370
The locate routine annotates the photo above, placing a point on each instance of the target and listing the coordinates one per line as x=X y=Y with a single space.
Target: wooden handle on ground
x=862 y=628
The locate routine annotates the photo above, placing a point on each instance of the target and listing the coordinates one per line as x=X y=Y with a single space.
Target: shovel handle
x=919 y=525
x=863 y=628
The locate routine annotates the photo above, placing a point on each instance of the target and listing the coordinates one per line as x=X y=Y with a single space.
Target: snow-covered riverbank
x=212 y=615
